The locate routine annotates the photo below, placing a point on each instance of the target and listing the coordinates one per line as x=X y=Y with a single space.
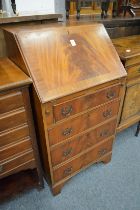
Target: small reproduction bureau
x=18 y=148
x=78 y=90
x=128 y=49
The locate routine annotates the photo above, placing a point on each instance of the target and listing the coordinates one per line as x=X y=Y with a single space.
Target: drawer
x=22 y=162
x=9 y=121
x=132 y=61
x=14 y=135
x=133 y=71
x=78 y=163
x=83 y=103
x=78 y=144
x=85 y=121
x=15 y=149
x=10 y=101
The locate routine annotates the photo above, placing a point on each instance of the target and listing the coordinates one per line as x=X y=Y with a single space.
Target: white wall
x=35 y=5
x=60 y=7
x=27 y=6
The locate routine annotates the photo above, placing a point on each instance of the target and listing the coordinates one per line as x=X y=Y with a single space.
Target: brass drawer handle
x=67 y=111
x=67 y=132
x=67 y=152
x=107 y=113
x=1 y=168
x=104 y=133
x=68 y=171
x=111 y=95
x=102 y=152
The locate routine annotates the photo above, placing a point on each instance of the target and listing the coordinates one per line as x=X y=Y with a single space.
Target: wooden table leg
x=128 y=8
x=104 y=8
x=78 y=8
x=67 y=7
x=0 y=6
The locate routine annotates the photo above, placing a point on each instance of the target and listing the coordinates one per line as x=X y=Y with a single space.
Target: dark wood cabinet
x=18 y=148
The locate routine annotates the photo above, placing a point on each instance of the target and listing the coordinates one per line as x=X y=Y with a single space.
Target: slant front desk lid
x=64 y=60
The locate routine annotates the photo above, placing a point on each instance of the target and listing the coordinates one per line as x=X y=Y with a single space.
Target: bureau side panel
x=41 y=135
x=27 y=104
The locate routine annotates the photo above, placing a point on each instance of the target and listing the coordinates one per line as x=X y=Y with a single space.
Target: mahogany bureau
x=128 y=49
x=78 y=90
x=18 y=148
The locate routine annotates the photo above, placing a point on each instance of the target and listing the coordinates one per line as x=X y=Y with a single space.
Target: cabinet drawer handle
x=104 y=133
x=67 y=152
x=102 y=152
x=107 y=113
x=110 y=94
x=67 y=132
x=1 y=168
x=66 y=111
x=68 y=171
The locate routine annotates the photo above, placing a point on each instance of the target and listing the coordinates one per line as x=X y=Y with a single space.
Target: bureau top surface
x=67 y=59
x=127 y=47
x=11 y=76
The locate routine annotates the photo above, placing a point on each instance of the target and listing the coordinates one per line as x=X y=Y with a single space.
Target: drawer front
x=15 y=149
x=75 y=165
x=16 y=164
x=14 y=135
x=74 y=126
x=69 y=108
x=132 y=61
x=12 y=120
x=133 y=71
x=78 y=144
x=10 y=101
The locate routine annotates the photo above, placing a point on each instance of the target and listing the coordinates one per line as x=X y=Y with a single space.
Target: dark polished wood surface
x=128 y=47
x=72 y=73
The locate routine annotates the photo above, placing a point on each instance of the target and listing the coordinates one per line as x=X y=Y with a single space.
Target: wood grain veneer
x=77 y=94
x=68 y=149
x=128 y=49
x=7 y=101
x=18 y=148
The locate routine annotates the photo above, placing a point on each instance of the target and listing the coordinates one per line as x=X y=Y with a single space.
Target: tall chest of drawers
x=128 y=49
x=78 y=86
x=18 y=148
